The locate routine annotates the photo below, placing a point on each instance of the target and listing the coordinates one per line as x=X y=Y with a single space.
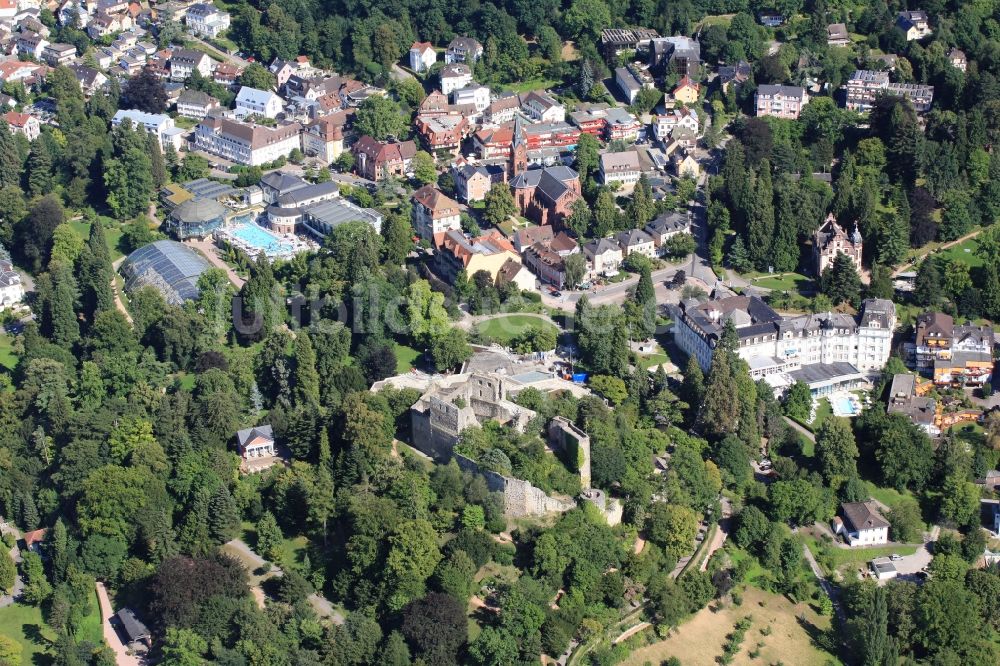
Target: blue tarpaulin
x=579 y=377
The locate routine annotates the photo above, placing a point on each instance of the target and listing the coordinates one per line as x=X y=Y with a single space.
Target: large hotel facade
x=828 y=351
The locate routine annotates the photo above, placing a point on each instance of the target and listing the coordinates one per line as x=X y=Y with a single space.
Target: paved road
x=122 y=656
x=721 y=534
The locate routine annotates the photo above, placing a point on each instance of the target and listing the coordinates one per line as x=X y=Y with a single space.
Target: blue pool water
x=258 y=237
x=845 y=406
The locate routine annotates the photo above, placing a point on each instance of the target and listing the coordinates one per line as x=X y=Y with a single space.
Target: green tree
x=379 y=117
x=836 y=449
x=672 y=527
x=760 y=230
x=61 y=316
x=269 y=538
x=606 y=215
x=905 y=523
x=455 y=575
x=424 y=168
x=587 y=156
x=798 y=401
x=223 y=515
x=575 y=268
x=33 y=233
x=641 y=206
x=36 y=586
x=184 y=647
x=128 y=179
x=413 y=556
x=611 y=388
x=10 y=651
x=499 y=204
x=8 y=572
x=306 y=377
x=840 y=281
x=425 y=313
x=960 y=501
x=96 y=273
x=450 y=350
x=257 y=76
x=66 y=244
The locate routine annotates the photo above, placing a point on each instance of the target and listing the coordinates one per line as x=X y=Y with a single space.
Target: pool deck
x=208 y=249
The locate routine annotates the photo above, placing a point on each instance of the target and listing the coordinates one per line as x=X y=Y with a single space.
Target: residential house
x=30 y=45
x=837 y=35
x=73 y=11
x=18 y=70
x=58 y=54
x=515 y=273
x=137 y=636
x=734 y=75
x=454 y=77
x=24 y=124
x=830 y=240
x=158 y=124
x=8 y=9
x=324 y=137
x=257 y=448
x=503 y=109
x=550 y=135
x=771 y=20
x=620 y=124
x=378 y=160
x=254 y=102
x=861 y=524
x=493 y=142
x=686 y=91
x=104 y=24
x=546 y=257
x=528 y=236
x=196 y=104
x=546 y=195
x=276 y=184
x=422 y=57
x=206 y=20
x=636 y=241
x=865 y=85
x=463 y=49
x=227 y=73
x=283 y=70
x=920 y=409
x=780 y=101
x=682 y=117
x=914 y=24
x=665 y=227
x=542 y=107
x=434 y=214
x=958 y=354
x=90 y=79
x=457 y=252
x=957 y=59
x=442 y=132
x=624 y=168
x=246 y=143
x=183 y=62
x=604 y=257
x=11 y=289
x=473 y=182
x=678 y=53
x=685 y=165
x=476 y=95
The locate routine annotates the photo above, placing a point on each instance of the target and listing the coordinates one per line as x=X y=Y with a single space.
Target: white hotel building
x=247 y=144
x=828 y=351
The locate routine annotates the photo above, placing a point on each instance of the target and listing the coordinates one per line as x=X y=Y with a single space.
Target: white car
x=895 y=557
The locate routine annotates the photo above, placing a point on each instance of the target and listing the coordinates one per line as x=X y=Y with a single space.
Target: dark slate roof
x=668 y=222
x=862 y=516
x=133 y=627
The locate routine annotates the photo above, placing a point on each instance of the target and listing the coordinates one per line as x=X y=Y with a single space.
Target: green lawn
x=90 y=626
x=647 y=362
x=8 y=358
x=25 y=625
x=112 y=233
x=889 y=496
x=964 y=253
x=506 y=329
x=785 y=282
x=406 y=358
x=823 y=412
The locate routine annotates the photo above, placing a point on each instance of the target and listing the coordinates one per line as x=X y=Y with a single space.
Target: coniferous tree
x=840 y=281
x=876 y=630
x=59 y=551
x=880 y=285
x=223 y=515
x=760 y=226
x=96 y=273
x=641 y=206
x=39 y=168
x=157 y=163
x=720 y=411
x=64 y=326
x=893 y=238
x=693 y=388
x=306 y=377
x=10 y=158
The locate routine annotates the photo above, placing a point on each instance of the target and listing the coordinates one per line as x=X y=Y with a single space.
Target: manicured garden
x=508 y=328
x=8 y=358
x=406 y=358
x=784 y=282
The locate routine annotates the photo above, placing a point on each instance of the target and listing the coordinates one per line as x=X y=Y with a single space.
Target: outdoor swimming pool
x=259 y=238
x=844 y=406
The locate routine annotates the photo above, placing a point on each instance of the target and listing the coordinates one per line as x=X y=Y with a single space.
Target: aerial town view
x=499 y=333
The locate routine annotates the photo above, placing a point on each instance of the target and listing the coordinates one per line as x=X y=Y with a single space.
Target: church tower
x=518 y=149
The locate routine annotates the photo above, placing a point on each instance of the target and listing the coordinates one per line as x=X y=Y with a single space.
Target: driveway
x=122 y=656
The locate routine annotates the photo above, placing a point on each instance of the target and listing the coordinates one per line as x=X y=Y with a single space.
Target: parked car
x=895 y=557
